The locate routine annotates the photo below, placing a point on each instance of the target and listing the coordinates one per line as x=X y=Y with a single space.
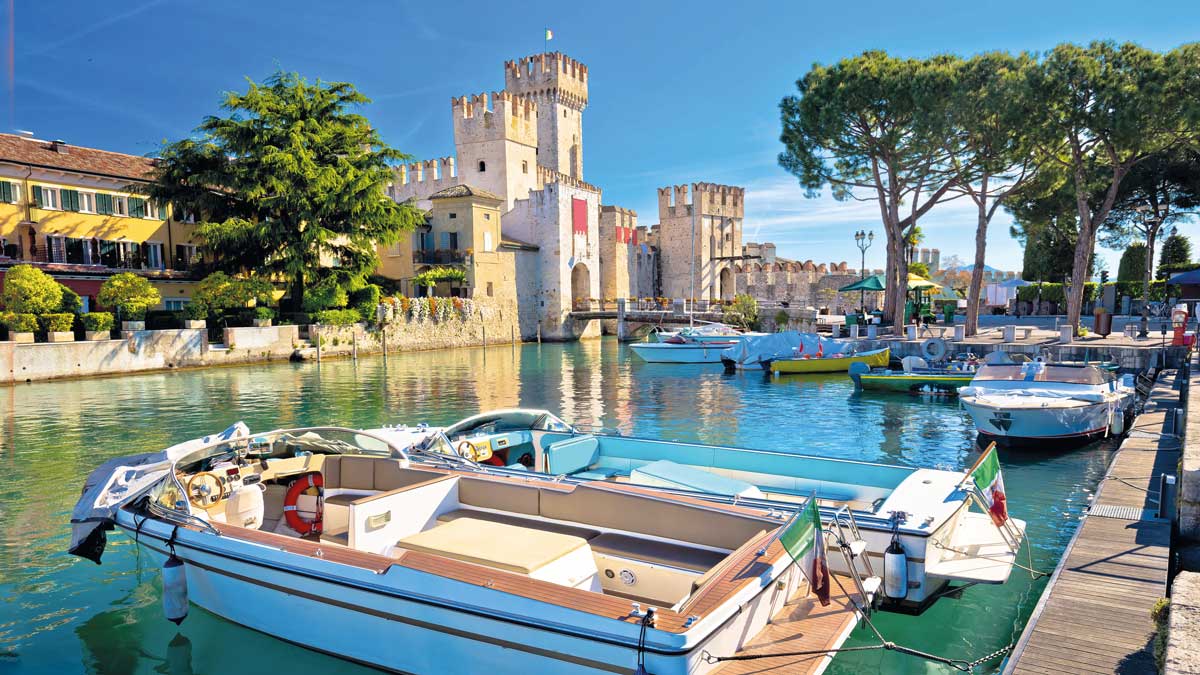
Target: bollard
x=910 y=332
x=1167 y=496
x=835 y=330
x=1010 y=334
x=1066 y=334
x=854 y=332
x=872 y=332
x=960 y=333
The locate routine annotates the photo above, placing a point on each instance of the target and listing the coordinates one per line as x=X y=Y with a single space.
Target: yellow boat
x=831 y=364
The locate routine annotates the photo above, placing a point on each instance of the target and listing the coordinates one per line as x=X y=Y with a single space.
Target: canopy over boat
x=754 y=352
x=835 y=363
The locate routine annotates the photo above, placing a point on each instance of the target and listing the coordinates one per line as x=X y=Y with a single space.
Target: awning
x=872 y=283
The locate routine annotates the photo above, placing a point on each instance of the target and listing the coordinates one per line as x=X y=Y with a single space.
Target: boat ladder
x=854 y=550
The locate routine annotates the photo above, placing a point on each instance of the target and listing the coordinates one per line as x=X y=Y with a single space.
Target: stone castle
x=558 y=248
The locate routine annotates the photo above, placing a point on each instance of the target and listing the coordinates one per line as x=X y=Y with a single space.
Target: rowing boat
x=831 y=364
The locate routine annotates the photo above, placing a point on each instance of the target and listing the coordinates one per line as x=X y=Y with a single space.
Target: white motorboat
x=704 y=331
x=344 y=542
x=682 y=350
x=1039 y=401
x=924 y=510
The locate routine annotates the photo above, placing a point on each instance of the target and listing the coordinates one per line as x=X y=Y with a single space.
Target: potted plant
x=263 y=316
x=132 y=295
x=97 y=325
x=196 y=313
x=59 y=327
x=21 y=326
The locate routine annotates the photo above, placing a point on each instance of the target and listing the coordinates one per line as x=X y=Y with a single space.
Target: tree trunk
x=888 y=264
x=976 y=287
x=297 y=292
x=1079 y=274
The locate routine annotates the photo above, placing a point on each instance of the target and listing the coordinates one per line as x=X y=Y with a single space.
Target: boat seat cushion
x=498 y=495
x=508 y=547
x=597 y=473
x=509 y=519
x=572 y=454
x=657 y=552
x=341 y=538
x=668 y=474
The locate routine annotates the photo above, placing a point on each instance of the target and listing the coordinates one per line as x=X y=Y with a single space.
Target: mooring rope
x=1036 y=574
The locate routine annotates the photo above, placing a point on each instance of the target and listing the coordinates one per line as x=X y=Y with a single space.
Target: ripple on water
x=60 y=614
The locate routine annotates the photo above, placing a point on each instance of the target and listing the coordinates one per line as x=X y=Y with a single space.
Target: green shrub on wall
x=71 y=302
x=337 y=317
x=19 y=322
x=262 y=313
x=365 y=300
x=58 y=323
x=97 y=321
x=28 y=290
x=129 y=293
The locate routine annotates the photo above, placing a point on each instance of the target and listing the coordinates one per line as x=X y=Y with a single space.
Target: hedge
x=264 y=313
x=1165 y=271
x=19 y=323
x=97 y=321
x=337 y=317
x=57 y=323
x=365 y=300
x=1054 y=292
x=164 y=319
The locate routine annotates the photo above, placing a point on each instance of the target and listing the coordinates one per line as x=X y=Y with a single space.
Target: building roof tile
x=464 y=190
x=39 y=153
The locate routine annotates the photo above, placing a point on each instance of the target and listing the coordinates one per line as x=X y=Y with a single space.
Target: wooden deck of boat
x=802 y=625
x=1094 y=616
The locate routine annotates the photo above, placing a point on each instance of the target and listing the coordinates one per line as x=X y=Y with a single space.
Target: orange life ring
x=290 y=512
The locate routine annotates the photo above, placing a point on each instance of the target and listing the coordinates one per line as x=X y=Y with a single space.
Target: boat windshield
x=288 y=443
x=1042 y=372
x=504 y=421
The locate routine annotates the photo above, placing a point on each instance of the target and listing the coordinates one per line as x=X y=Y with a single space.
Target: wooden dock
x=1094 y=615
x=802 y=625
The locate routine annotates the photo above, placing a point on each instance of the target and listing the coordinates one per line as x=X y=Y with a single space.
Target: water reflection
x=59 y=614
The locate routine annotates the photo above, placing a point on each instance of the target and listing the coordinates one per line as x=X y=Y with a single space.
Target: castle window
x=564 y=112
x=489 y=292
x=524 y=166
x=453 y=216
x=482 y=166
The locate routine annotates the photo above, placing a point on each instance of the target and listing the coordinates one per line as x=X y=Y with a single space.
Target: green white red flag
x=804 y=542
x=990 y=482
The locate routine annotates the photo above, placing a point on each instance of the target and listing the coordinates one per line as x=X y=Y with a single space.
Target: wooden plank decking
x=1094 y=616
x=802 y=625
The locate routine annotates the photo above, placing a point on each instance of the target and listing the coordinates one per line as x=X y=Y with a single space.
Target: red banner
x=579 y=221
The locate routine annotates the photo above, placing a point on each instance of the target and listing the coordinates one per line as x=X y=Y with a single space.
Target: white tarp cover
x=122 y=479
x=752 y=352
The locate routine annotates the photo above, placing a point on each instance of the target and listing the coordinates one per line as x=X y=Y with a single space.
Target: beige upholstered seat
x=519 y=521
x=507 y=547
x=657 y=552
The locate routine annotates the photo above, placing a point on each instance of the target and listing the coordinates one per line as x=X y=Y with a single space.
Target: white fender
x=895 y=572
x=175 y=593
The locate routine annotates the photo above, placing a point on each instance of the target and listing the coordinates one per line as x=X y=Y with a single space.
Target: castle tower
x=496 y=139
x=713 y=216
x=559 y=84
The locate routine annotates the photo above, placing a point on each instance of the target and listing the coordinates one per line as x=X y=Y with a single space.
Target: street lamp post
x=1151 y=220
x=863 y=240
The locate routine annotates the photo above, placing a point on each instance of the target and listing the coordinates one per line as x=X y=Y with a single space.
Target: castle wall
x=695 y=232
x=559 y=84
x=496 y=138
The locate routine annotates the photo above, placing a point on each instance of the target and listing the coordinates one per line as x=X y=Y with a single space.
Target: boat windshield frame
x=540 y=420
x=1042 y=372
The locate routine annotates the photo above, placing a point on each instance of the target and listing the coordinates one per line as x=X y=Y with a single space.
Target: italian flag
x=990 y=482
x=803 y=541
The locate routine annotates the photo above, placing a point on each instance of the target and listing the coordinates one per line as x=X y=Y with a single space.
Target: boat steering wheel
x=201 y=495
x=473 y=452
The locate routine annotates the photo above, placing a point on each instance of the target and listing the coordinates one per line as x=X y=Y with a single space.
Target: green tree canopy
x=28 y=290
x=288 y=182
x=131 y=294
x=1176 y=250
x=743 y=312
x=1133 y=262
x=220 y=291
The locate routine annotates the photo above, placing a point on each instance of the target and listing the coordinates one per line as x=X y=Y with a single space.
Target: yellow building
x=462 y=229
x=77 y=213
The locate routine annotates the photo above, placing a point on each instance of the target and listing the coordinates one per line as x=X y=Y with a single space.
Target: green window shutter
x=162 y=211
x=70 y=200
x=6 y=191
x=136 y=207
x=37 y=196
x=104 y=204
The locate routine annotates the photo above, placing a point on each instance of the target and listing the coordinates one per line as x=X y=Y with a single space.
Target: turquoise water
x=61 y=614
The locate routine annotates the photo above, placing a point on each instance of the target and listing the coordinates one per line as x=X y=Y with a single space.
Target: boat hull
x=1055 y=422
x=916 y=383
x=665 y=352
x=873 y=359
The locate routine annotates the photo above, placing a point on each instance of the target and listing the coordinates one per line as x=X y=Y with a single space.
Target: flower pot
x=96 y=335
x=262 y=323
x=20 y=338
x=195 y=324
x=60 y=336
x=133 y=325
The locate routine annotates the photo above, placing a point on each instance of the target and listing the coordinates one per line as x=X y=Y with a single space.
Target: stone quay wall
x=487 y=325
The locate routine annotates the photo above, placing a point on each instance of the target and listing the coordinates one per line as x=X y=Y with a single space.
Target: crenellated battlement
x=417 y=180
x=552 y=75
x=494 y=116
x=547 y=176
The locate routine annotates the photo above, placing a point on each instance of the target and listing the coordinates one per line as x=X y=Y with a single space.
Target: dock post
x=354 y=344
x=483 y=327
x=318 y=331
x=539 y=334
x=621 y=330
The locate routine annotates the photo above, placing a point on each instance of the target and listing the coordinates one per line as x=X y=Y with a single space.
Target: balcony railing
x=439 y=256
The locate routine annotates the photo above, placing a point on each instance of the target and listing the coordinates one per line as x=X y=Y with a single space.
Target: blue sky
x=680 y=92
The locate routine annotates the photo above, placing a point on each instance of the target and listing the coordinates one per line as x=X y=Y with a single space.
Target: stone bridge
x=635 y=317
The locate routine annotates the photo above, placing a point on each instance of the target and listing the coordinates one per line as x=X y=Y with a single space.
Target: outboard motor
x=895 y=565
x=857 y=370
x=175 y=593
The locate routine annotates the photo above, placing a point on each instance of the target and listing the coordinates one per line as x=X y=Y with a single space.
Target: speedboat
x=925 y=511
x=358 y=544
x=703 y=331
x=832 y=363
x=914 y=377
x=1038 y=401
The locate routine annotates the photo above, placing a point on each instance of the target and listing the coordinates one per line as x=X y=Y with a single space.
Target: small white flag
x=549 y=35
